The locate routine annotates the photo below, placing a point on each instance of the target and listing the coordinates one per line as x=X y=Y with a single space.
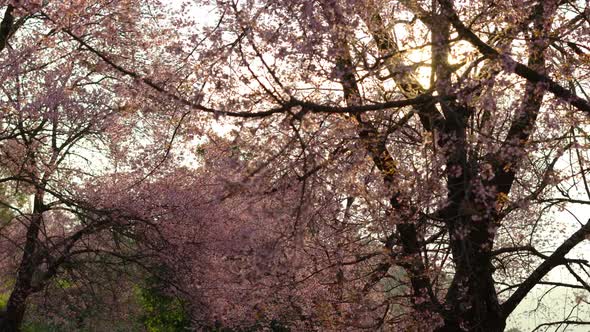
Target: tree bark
x=15 y=309
x=472 y=303
x=6 y=26
x=13 y=316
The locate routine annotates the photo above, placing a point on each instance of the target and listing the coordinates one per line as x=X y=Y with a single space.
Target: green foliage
x=63 y=283
x=41 y=327
x=162 y=313
x=5 y=287
x=4 y=300
x=273 y=326
x=278 y=327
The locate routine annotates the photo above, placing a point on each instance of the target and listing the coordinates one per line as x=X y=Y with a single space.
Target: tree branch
x=6 y=26
x=555 y=259
x=512 y=65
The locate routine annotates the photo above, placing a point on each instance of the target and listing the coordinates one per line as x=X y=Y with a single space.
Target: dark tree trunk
x=12 y=318
x=472 y=300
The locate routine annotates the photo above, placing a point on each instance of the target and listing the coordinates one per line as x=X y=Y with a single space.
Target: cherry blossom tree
x=70 y=127
x=394 y=164
x=386 y=165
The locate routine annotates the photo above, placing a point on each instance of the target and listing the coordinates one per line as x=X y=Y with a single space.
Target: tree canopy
x=301 y=165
